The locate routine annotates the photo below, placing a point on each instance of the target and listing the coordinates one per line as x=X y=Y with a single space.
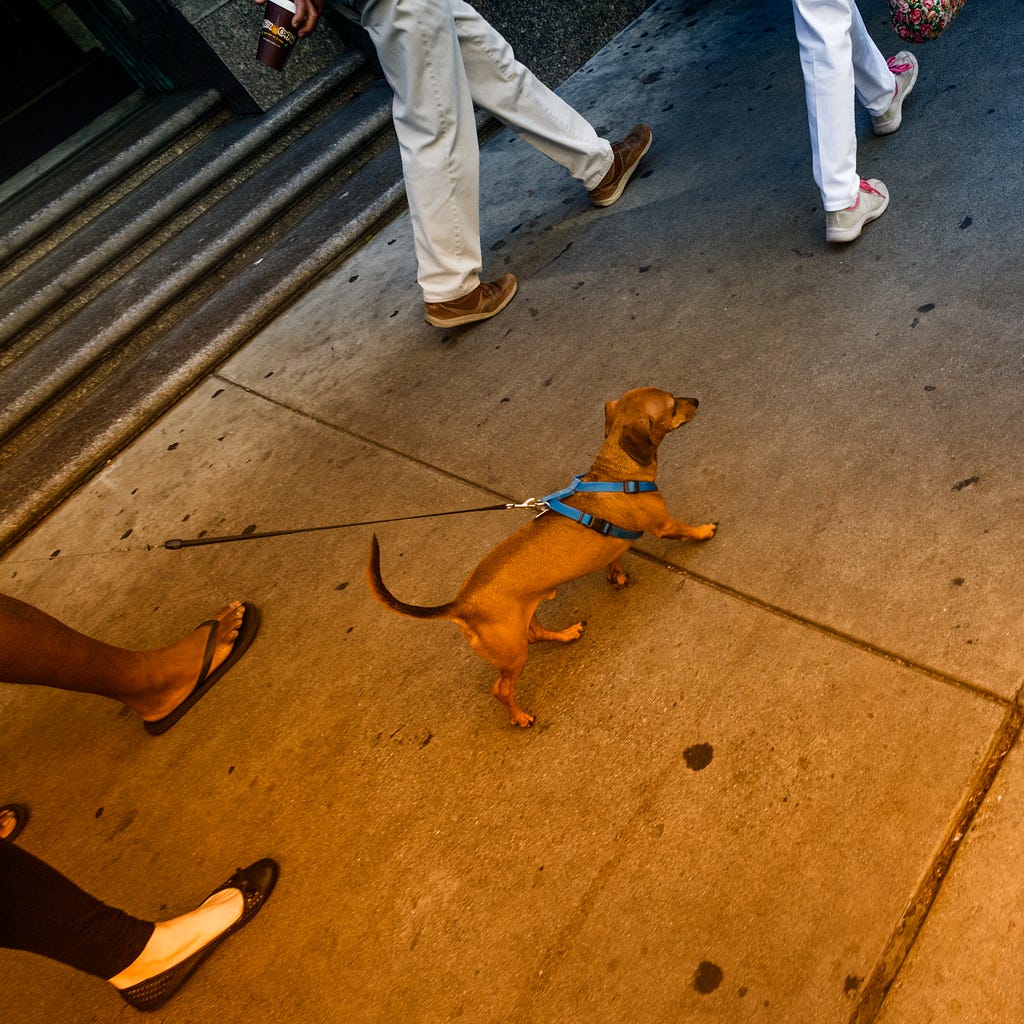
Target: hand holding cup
x=283 y=21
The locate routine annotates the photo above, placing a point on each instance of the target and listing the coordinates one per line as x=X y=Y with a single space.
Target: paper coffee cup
x=277 y=37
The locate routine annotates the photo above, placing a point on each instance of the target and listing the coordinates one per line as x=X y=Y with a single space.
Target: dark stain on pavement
x=707 y=977
x=926 y=308
x=969 y=482
x=698 y=756
x=851 y=986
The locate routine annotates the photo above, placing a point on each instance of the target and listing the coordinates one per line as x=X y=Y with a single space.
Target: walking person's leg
x=37 y=649
x=508 y=89
x=439 y=56
x=823 y=30
x=503 y=86
x=44 y=912
x=874 y=80
x=418 y=50
x=882 y=85
x=825 y=34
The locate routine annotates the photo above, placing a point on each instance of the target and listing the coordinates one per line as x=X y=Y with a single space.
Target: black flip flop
x=21 y=816
x=246 y=634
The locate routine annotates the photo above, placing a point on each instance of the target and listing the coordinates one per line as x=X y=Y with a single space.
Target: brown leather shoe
x=483 y=302
x=625 y=157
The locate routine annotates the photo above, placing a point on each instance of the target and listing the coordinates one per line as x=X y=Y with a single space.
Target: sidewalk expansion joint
x=831 y=631
x=723 y=588
x=901 y=941
x=363 y=439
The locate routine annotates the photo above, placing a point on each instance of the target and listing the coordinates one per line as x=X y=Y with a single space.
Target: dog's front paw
x=705 y=532
x=616 y=575
x=521 y=718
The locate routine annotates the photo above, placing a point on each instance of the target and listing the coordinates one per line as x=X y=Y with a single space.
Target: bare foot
x=174 y=671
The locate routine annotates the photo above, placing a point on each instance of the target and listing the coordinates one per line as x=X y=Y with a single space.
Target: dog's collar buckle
x=634 y=486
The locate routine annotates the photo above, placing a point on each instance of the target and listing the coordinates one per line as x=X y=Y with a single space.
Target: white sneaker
x=846 y=225
x=904 y=67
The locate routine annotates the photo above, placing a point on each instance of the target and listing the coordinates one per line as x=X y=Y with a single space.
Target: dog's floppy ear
x=637 y=443
x=609 y=415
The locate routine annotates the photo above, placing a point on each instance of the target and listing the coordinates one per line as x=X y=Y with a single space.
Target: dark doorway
x=53 y=84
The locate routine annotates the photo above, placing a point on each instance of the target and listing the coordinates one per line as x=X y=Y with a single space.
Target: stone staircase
x=134 y=265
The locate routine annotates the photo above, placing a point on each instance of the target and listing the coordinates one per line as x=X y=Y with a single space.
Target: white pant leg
x=874 y=82
x=824 y=32
x=506 y=88
x=418 y=49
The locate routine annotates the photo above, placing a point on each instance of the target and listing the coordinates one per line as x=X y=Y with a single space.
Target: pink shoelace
x=897 y=69
x=865 y=186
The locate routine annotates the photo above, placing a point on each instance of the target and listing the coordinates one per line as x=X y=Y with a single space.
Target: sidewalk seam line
x=724 y=588
x=831 y=631
x=362 y=438
x=904 y=936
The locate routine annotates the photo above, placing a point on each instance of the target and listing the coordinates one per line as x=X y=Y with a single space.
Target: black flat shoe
x=256 y=883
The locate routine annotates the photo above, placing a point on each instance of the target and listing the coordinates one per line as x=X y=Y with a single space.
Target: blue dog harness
x=554 y=503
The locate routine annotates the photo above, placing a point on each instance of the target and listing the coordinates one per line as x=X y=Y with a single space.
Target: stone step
x=57 y=274
x=51 y=201
x=38 y=477
x=58 y=360
x=106 y=326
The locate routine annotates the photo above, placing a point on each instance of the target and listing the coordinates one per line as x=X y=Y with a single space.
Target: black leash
x=177 y=543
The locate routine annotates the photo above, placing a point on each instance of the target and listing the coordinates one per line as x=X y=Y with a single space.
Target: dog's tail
x=386 y=598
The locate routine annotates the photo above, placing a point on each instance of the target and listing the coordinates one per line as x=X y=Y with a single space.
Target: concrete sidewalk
x=779 y=778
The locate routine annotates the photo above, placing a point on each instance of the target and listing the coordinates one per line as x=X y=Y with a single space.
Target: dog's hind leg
x=504 y=690
x=536 y=632
x=505 y=647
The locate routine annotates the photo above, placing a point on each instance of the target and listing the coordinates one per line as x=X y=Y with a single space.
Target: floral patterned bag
x=917 y=21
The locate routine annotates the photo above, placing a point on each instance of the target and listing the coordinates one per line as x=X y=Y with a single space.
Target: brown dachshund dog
x=496 y=606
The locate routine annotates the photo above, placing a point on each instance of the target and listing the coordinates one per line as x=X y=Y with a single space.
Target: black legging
x=43 y=912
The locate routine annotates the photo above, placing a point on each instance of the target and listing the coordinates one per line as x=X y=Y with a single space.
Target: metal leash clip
x=538 y=505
